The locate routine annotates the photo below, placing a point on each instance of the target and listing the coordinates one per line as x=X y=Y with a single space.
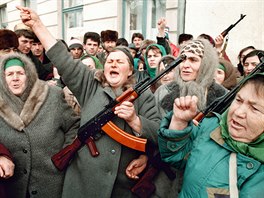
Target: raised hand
x=28 y=16
x=184 y=110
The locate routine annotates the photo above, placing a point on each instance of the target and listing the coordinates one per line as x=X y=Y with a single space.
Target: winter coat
x=104 y=175
x=45 y=124
x=206 y=172
x=171 y=91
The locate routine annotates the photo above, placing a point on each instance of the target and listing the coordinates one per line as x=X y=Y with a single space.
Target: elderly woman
x=104 y=175
x=35 y=123
x=223 y=156
x=194 y=76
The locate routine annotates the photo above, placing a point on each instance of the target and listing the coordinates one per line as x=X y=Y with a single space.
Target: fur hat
x=8 y=39
x=109 y=35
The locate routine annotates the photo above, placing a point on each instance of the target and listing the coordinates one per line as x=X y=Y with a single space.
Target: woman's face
x=246 y=115
x=169 y=77
x=250 y=64
x=245 y=53
x=153 y=57
x=117 y=69
x=219 y=76
x=16 y=79
x=189 y=68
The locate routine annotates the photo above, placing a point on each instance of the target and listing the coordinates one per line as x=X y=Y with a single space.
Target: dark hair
x=208 y=37
x=239 y=65
x=138 y=35
x=93 y=36
x=251 y=54
x=166 y=60
x=26 y=33
x=121 y=42
x=184 y=37
x=258 y=82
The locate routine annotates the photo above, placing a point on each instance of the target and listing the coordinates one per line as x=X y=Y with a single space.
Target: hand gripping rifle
x=102 y=121
x=225 y=32
x=222 y=103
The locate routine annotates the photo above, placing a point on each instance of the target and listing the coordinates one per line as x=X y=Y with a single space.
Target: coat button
x=24 y=150
x=25 y=171
x=34 y=192
x=113 y=151
x=250 y=165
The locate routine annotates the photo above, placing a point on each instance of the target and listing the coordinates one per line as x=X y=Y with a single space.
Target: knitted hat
x=8 y=39
x=195 y=47
x=109 y=35
x=13 y=62
x=75 y=43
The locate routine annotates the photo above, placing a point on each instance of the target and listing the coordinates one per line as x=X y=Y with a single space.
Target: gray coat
x=34 y=127
x=102 y=176
x=33 y=137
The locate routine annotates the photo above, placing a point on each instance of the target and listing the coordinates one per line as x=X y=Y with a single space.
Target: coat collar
x=31 y=107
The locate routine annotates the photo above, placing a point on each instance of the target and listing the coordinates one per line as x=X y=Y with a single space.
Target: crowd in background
x=50 y=87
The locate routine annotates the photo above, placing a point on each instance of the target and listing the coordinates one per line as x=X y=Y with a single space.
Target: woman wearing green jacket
x=205 y=150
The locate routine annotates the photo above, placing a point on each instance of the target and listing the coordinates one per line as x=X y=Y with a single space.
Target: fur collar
x=31 y=107
x=214 y=91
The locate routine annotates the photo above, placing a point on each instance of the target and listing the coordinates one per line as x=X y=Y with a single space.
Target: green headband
x=222 y=67
x=13 y=62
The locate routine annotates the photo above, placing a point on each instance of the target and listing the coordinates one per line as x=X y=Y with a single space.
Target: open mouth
x=114 y=73
x=236 y=125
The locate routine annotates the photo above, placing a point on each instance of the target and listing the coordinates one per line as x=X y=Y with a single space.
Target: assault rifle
x=222 y=103
x=102 y=121
x=225 y=32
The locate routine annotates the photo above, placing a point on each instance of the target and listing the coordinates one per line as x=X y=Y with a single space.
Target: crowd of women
x=222 y=156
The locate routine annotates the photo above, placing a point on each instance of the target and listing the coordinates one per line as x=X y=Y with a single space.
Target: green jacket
x=102 y=176
x=207 y=168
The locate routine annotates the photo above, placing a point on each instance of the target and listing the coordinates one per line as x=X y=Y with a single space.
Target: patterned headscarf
x=195 y=47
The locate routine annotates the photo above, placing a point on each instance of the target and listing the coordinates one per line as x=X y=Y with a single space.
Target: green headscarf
x=253 y=149
x=222 y=67
x=97 y=63
x=152 y=71
x=13 y=62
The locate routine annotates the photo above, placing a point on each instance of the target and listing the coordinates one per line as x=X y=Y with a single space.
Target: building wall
x=201 y=16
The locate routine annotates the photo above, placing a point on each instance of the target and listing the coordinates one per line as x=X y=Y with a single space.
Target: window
x=3 y=16
x=30 y=3
x=142 y=16
x=72 y=17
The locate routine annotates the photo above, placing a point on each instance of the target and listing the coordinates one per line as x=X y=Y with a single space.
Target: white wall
x=214 y=16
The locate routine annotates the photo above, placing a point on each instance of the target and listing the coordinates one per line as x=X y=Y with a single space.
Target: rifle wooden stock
x=124 y=138
x=145 y=186
x=62 y=158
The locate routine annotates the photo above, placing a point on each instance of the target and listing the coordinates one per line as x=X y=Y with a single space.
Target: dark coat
x=102 y=176
x=4 y=152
